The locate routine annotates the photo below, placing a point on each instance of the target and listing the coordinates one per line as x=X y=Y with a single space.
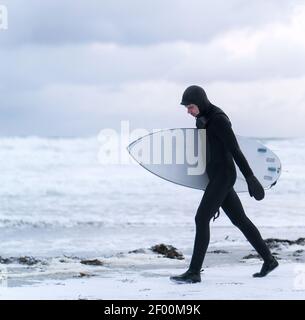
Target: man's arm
x=221 y=126
x=223 y=129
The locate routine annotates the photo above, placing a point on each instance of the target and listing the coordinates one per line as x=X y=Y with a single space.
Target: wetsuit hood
x=196 y=95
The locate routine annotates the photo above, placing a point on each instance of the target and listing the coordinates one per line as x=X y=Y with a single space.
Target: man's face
x=192 y=109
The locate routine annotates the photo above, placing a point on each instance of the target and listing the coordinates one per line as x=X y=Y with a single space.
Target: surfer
x=222 y=149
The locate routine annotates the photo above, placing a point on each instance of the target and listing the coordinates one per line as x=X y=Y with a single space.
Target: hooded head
x=196 y=95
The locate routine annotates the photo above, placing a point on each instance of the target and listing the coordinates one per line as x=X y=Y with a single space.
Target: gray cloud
x=74 y=67
x=35 y=67
x=134 y=22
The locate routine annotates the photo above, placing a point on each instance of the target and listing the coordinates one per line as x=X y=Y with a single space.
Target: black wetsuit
x=222 y=149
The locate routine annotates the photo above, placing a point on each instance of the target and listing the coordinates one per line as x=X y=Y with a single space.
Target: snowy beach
x=71 y=228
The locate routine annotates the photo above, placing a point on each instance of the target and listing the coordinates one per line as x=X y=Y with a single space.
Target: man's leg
x=212 y=199
x=234 y=210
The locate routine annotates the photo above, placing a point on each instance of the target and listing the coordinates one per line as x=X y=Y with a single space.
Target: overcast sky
x=74 y=67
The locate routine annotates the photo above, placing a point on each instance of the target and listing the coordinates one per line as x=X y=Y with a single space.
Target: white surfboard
x=179 y=155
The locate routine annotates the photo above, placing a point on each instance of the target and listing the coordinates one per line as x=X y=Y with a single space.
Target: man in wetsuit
x=222 y=149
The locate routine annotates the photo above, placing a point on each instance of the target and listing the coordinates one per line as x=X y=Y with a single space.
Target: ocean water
x=57 y=199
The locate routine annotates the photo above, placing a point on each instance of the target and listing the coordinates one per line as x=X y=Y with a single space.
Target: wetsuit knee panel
x=201 y=219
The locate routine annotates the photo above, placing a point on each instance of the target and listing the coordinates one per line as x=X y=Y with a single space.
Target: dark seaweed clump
x=168 y=251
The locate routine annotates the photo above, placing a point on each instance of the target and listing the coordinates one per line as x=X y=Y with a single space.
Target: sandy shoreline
x=144 y=274
x=221 y=282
